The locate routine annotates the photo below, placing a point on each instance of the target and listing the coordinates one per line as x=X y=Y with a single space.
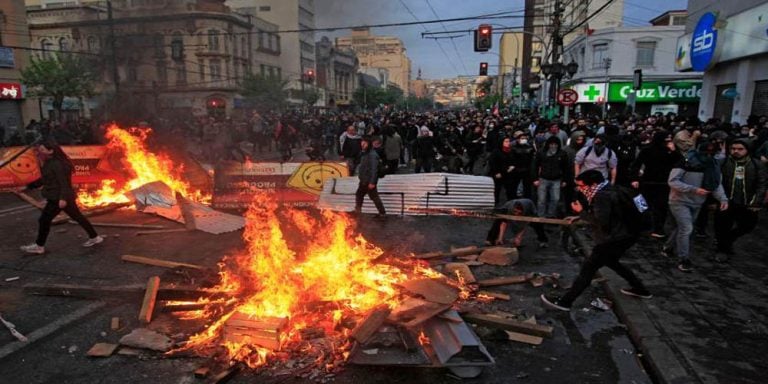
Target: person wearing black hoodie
x=56 y=183
x=650 y=173
x=501 y=164
x=549 y=172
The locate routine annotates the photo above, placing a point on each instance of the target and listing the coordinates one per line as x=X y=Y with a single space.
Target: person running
x=612 y=237
x=56 y=183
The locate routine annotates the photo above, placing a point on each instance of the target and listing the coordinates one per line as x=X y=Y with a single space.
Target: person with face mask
x=691 y=181
x=550 y=169
x=501 y=164
x=744 y=182
x=598 y=157
x=56 y=182
x=523 y=153
x=650 y=173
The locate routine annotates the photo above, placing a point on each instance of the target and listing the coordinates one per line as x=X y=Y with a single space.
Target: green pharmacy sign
x=678 y=91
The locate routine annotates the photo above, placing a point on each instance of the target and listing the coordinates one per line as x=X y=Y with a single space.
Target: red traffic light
x=310 y=73
x=483 y=38
x=483 y=69
x=485 y=31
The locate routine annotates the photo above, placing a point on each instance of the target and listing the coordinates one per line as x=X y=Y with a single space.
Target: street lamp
x=556 y=72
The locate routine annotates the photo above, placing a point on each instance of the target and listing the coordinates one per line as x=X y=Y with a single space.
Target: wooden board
x=523 y=338
x=102 y=350
x=159 y=262
x=123 y=292
x=432 y=290
x=114 y=324
x=453 y=269
x=495 y=295
x=366 y=328
x=150 y=297
x=500 y=256
x=461 y=252
x=414 y=311
x=161 y=231
x=509 y=325
x=503 y=281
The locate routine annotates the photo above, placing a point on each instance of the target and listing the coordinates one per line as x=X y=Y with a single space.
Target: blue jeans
x=682 y=228
x=549 y=197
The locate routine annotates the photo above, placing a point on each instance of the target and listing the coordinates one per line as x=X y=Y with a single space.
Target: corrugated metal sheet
x=403 y=192
x=455 y=344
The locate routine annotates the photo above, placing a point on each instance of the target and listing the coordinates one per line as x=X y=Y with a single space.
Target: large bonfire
x=335 y=277
x=141 y=166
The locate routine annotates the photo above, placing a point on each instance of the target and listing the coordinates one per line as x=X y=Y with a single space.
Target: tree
x=265 y=93
x=60 y=76
x=373 y=97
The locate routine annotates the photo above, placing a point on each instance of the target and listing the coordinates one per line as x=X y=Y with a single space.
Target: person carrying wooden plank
x=516 y=207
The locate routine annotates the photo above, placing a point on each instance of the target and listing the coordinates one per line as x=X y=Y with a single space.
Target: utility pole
x=115 y=74
x=557 y=45
x=607 y=63
x=514 y=84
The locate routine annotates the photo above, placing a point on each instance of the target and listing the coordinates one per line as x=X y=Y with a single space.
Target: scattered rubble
x=147 y=339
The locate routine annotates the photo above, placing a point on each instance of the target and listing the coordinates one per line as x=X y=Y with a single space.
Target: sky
x=446 y=58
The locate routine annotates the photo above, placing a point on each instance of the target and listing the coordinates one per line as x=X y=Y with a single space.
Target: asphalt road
x=588 y=346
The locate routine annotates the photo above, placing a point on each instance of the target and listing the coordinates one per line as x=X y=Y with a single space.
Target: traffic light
x=483 y=38
x=483 y=69
x=309 y=76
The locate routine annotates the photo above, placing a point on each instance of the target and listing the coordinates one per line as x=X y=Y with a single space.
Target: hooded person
x=549 y=171
x=516 y=207
x=368 y=177
x=424 y=150
x=650 y=173
x=350 y=148
x=500 y=167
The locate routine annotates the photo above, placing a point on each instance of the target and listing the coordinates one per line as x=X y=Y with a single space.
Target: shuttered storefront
x=10 y=116
x=760 y=99
x=723 y=105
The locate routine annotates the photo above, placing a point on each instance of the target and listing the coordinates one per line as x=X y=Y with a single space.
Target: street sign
x=567 y=97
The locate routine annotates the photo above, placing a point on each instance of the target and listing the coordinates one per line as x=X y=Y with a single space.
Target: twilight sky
x=461 y=59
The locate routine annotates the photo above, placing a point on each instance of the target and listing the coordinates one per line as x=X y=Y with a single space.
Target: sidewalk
x=708 y=326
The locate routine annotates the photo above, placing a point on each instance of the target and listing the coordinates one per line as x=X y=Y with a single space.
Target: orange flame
x=271 y=279
x=142 y=167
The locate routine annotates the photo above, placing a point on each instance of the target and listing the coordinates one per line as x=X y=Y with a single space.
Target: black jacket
x=368 y=173
x=56 y=180
x=657 y=162
x=523 y=159
x=605 y=217
x=499 y=162
x=754 y=185
x=555 y=167
x=424 y=147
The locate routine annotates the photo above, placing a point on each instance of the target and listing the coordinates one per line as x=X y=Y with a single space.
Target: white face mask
x=523 y=141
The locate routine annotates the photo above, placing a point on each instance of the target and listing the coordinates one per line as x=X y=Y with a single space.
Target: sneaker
x=554 y=303
x=643 y=294
x=657 y=235
x=667 y=252
x=685 y=266
x=93 y=241
x=33 y=249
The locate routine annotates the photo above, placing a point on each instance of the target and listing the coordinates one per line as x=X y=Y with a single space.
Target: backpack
x=589 y=150
x=634 y=210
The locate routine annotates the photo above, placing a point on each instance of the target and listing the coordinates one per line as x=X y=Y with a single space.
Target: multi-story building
x=381 y=75
x=184 y=57
x=578 y=17
x=608 y=58
x=336 y=73
x=727 y=40
x=297 y=56
x=380 y=52
x=15 y=108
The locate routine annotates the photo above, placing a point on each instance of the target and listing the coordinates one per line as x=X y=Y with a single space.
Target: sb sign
x=704 y=44
x=567 y=97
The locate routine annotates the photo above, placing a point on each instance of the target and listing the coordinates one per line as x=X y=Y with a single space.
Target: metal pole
x=115 y=73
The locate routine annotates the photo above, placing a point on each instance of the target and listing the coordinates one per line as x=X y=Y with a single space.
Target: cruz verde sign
x=679 y=91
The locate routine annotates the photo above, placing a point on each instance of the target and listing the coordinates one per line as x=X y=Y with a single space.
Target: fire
x=330 y=277
x=142 y=167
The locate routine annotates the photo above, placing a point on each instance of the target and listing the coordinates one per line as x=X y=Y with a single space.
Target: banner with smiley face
x=294 y=184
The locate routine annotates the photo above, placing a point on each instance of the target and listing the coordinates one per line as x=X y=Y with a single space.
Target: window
x=181 y=75
x=157 y=43
x=213 y=40
x=162 y=73
x=237 y=72
x=263 y=70
x=177 y=48
x=261 y=39
x=93 y=44
x=645 y=53
x=201 y=70
x=679 y=20
x=215 y=70
x=599 y=54
x=265 y=8
x=279 y=73
x=46 y=46
x=133 y=74
x=242 y=47
x=63 y=44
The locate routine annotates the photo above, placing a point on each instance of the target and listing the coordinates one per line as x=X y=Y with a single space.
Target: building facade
x=386 y=52
x=727 y=40
x=510 y=61
x=16 y=109
x=608 y=58
x=336 y=74
x=170 y=57
x=297 y=56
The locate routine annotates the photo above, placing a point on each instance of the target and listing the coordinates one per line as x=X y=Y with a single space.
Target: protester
x=516 y=207
x=598 y=157
x=56 y=182
x=650 y=173
x=369 y=177
x=501 y=164
x=393 y=146
x=744 y=183
x=350 y=148
x=611 y=235
x=550 y=170
x=424 y=151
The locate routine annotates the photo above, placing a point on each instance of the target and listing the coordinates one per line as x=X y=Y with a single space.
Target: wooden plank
x=159 y=262
x=495 y=295
x=150 y=297
x=129 y=292
x=432 y=290
x=114 y=324
x=509 y=325
x=122 y=225
x=102 y=350
x=453 y=270
x=161 y=231
x=29 y=199
x=366 y=328
x=169 y=308
x=523 y=338
x=414 y=311
x=459 y=252
x=531 y=219
x=503 y=281
x=202 y=372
